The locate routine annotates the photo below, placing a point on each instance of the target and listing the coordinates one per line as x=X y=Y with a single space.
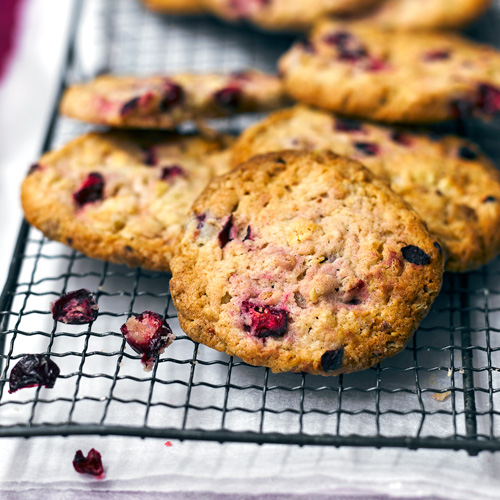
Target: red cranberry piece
x=367 y=148
x=349 y=48
x=375 y=65
x=130 y=106
x=75 y=308
x=225 y=234
x=91 y=190
x=170 y=173
x=332 y=360
x=345 y=125
x=147 y=334
x=248 y=235
x=173 y=95
x=33 y=370
x=201 y=220
x=244 y=8
x=437 y=55
x=264 y=321
x=34 y=168
x=489 y=199
x=356 y=294
x=228 y=98
x=415 y=255
x=401 y=138
x=488 y=98
x=467 y=153
x=91 y=464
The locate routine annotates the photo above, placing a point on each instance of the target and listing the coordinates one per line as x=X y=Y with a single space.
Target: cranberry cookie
x=426 y=14
x=165 y=102
x=304 y=262
x=288 y=15
x=121 y=197
x=447 y=181
x=393 y=76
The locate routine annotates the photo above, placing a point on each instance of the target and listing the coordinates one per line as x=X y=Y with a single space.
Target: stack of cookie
x=315 y=242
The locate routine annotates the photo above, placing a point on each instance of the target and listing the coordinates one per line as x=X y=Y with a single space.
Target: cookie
x=447 y=181
x=165 y=102
x=304 y=262
x=175 y=6
x=121 y=197
x=425 y=14
x=288 y=15
x=392 y=76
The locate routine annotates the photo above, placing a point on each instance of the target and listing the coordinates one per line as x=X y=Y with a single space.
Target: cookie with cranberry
x=165 y=102
x=304 y=262
x=447 y=181
x=393 y=76
x=121 y=197
x=288 y=15
x=175 y=6
x=425 y=14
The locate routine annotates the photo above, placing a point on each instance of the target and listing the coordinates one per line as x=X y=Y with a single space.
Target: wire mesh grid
x=443 y=391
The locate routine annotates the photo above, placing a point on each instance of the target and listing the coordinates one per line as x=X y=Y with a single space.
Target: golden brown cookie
x=165 y=102
x=425 y=14
x=389 y=76
x=121 y=197
x=304 y=262
x=175 y=6
x=287 y=15
x=448 y=182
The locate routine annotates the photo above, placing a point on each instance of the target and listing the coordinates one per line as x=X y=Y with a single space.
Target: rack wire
x=194 y=392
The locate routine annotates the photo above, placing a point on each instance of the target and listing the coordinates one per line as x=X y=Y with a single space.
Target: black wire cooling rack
x=441 y=392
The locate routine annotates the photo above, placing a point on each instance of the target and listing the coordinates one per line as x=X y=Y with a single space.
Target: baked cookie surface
x=304 y=262
x=447 y=181
x=165 y=102
x=426 y=14
x=389 y=76
x=175 y=6
x=288 y=15
x=121 y=197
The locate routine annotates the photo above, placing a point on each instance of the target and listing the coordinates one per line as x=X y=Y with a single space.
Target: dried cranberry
x=244 y=8
x=338 y=38
x=91 y=190
x=34 y=168
x=228 y=98
x=173 y=95
x=75 y=308
x=356 y=294
x=349 y=47
x=147 y=334
x=91 y=464
x=225 y=234
x=415 y=255
x=345 y=125
x=401 y=138
x=488 y=98
x=489 y=199
x=467 y=153
x=170 y=173
x=130 y=106
x=437 y=55
x=367 y=148
x=332 y=360
x=375 y=64
x=248 y=235
x=33 y=370
x=264 y=321
x=201 y=220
